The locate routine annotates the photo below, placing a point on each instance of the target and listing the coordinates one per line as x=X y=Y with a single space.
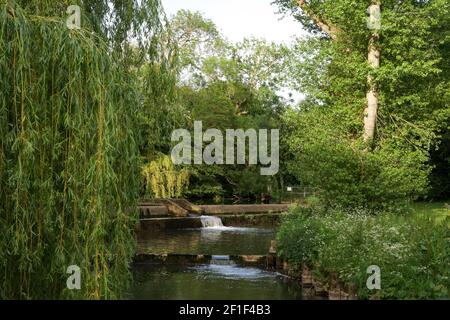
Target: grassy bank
x=439 y=211
x=412 y=250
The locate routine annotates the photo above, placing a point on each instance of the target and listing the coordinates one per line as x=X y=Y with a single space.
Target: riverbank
x=412 y=252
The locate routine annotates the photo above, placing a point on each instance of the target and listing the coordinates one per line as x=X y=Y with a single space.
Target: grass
x=438 y=210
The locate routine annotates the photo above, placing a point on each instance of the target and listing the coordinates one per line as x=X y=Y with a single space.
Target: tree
x=196 y=38
x=371 y=112
x=227 y=86
x=69 y=145
x=327 y=26
x=409 y=107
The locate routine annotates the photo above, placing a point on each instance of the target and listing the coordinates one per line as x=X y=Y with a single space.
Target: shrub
x=412 y=252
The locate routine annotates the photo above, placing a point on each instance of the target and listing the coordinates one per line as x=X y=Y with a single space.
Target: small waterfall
x=211 y=222
x=221 y=260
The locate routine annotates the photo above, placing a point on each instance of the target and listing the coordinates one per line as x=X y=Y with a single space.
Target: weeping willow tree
x=69 y=140
x=164 y=180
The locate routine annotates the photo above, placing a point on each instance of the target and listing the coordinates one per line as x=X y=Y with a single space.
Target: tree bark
x=371 y=112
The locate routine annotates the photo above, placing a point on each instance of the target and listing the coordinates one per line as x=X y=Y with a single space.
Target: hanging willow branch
x=164 y=180
x=69 y=170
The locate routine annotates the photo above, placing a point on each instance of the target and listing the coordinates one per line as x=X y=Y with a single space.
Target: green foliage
x=226 y=86
x=413 y=252
x=298 y=240
x=164 y=180
x=68 y=149
x=207 y=182
x=344 y=172
x=196 y=38
x=248 y=182
x=413 y=84
x=328 y=152
x=161 y=112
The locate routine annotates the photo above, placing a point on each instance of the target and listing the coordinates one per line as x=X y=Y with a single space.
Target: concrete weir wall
x=271 y=220
x=182 y=208
x=153 y=224
x=181 y=214
x=153 y=211
x=187 y=259
x=236 y=220
x=244 y=208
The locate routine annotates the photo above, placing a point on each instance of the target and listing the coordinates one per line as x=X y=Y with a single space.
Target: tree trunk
x=370 y=115
x=371 y=112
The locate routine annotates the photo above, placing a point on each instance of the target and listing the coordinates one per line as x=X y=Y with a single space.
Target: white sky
x=238 y=19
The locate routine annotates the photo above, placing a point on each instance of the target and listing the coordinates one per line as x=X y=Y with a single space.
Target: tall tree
x=227 y=85
x=69 y=137
x=401 y=95
x=331 y=30
x=371 y=112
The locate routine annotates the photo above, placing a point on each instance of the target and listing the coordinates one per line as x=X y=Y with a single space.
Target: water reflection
x=212 y=282
x=222 y=279
x=216 y=240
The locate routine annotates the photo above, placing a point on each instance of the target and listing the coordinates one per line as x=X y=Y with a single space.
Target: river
x=221 y=279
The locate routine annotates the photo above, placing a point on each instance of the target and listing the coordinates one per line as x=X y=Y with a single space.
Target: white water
x=228 y=269
x=221 y=261
x=211 y=222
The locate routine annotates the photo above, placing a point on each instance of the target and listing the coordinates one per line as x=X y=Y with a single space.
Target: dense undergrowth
x=412 y=251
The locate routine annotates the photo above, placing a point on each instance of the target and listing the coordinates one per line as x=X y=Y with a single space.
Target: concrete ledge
x=169 y=223
x=236 y=220
x=192 y=208
x=174 y=208
x=152 y=211
x=244 y=208
x=182 y=208
x=252 y=220
x=184 y=259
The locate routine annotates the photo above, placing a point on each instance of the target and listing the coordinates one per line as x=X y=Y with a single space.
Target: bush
x=346 y=174
x=412 y=252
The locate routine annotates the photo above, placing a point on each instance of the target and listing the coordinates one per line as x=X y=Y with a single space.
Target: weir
x=240 y=259
x=219 y=244
x=221 y=260
x=160 y=208
x=211 y=222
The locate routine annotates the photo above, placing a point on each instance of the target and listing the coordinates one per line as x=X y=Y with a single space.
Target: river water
x=221 y=279
x=214 y=241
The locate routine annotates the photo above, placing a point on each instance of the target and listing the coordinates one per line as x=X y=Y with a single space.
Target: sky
x=238 y=19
